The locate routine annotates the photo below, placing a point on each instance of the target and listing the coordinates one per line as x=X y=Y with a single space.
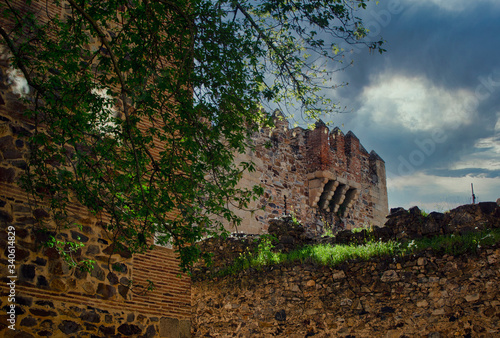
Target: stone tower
x=326 y=178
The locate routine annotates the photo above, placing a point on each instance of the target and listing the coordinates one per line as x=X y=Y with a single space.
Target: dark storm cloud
x=450 y=48
x=448 y=57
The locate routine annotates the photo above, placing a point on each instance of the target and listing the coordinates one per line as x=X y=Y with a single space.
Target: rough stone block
x=90 y=316
x=169 y=327
x=105 y=291
x=184 y=328
x=69 y=327
x=7 y=175
x=129 y=329
x=27 y=272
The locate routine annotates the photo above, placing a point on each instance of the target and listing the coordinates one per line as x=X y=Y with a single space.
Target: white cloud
x=431 y=192
x=415 y=103
x=458 y=5
x=422 y=183
x=477 y=161
x=440 y=193
x=488 y=159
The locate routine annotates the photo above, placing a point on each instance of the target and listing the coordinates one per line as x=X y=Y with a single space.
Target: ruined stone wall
x=324 y=177
x=425 y=294
x=50 y=298
x=416 y=296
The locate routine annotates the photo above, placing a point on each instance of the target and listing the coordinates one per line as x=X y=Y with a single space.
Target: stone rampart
x=417 y=296
x=401 y=225
x=326 y=178
x=425 y=294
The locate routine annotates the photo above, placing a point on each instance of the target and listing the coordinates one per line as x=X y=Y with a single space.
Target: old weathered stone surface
x=90 y=316
x=225 y=251
x=290 y=235
x=421 y=295
x=401 y=225
x=69 y=327
x=404 y=298
x=150 y=332
x=107 y=330
x=7 y=175
x=52 y=298
x=327 y=179
x=410 y=224
x=105 y=291
x=129 y=329
x=169 y=327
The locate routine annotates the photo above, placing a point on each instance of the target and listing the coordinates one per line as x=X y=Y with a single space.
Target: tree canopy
x=140 y=106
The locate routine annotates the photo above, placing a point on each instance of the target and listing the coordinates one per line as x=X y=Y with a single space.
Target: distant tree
x=112 y=82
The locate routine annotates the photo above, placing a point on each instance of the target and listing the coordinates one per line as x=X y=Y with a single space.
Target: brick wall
x=325 y=177
x=52 y=299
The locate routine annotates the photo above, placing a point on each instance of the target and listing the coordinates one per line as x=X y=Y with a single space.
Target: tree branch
x=104 y=41
x=19 y=61
x=268 y=42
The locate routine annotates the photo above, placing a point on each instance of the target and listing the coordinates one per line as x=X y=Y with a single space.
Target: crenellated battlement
x=324 y=176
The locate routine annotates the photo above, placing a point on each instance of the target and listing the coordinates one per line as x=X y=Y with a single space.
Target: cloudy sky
x=430 y=105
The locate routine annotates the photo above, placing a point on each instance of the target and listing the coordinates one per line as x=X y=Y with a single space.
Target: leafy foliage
x=334 y=255
x=140 y=106
x=66 y=249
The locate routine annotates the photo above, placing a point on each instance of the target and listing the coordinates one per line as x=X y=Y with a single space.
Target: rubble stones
x=401 y=225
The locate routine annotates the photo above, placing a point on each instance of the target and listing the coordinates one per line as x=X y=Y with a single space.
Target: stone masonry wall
x=324 y=177
x=49 y=297
x=426 y=294
x=417 y=296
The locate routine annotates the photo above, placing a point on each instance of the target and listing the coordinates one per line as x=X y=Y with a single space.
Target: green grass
x=456 y=244
x=332 y=255
x=326 y=254
x=364 y=227
x=424 y=213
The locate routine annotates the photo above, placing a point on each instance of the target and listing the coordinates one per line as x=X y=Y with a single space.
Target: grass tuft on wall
x=333 y=255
